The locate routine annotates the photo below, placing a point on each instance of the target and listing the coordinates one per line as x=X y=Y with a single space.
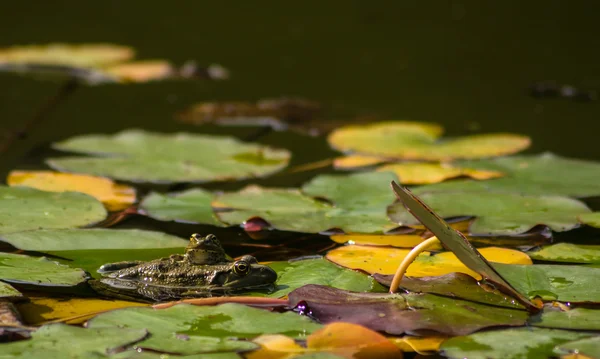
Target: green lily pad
x=192 y=206
x=591 y=219
x=8 y=292
x=77 y=342
x=590 y=347
x=568 y=252
x=140 y=156
x=514 y=343
x=358 y=203
x=414 y=140
x=88 y=239
x=134 y=354
x=400 y=313
x=499 y=213
x=188 y=329
x=575 y=319
x=24 y=208
x=544 y=174
x=22 y=269
x=295 y=274
x=564 y=283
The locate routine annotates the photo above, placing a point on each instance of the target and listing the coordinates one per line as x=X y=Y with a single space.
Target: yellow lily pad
x=419 y=141
x=356 y=161
x=114 y=196
x=40 y=309
x=344 y=339
x=84 y=55
x=385 y=260
x=141 y=71
x=427 y=173
x=421 y=345
x=396 y=240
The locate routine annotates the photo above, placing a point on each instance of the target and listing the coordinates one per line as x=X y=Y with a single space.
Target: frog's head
x=204 y=250
x=244 y=273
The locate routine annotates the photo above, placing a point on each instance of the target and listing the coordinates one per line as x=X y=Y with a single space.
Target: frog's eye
x=196 y=237
x=241 y=268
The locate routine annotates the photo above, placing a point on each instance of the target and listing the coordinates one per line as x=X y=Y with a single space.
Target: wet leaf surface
x=43 y=309
x=55 y=240
x=453 y=285
x=295 y=274
x=188 y=329
x=569 y=253
x=385 y=260
x=414 y=140
x=514 y=343
x=83 y=343
x=588 y=346
x=542 y=174
x=499 y=213
x=191 y=206
x=23 y=209
x=114 y=196
x=140 y=156
x=565 y=283
x=403 y=313
x=357 y=205
x=411 y=173
x=574 y=319
x=344 y=339
x=22 y=269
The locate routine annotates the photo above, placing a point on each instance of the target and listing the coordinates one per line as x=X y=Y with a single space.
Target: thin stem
x=252 y=301
x=412 y=255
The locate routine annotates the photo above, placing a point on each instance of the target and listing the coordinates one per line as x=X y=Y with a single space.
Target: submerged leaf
x=22 y=269
x=568 y=252
x=23 y=208
x=400 y=313
x=114 y=196
x=93 y=238
x=295 y=274
x=385 y=260
x=514 y=343
x=414 y=140
x=357 y=205
x=535 y=175
x=425 y=173
x=191 y=206
x=499 y=213
x=140 y=156
x=82 y=343
x=188 y=329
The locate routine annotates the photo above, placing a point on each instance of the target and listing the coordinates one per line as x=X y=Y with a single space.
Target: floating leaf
x=499 y=213
x=424 y=173
x=23 y=208
x=565 y=283
x=114 y=196
x=84 y=55
x=7 y=292
x=140 y=156
x=188 y=329
x=82 y=343
x=399 y=313
x=141 y=71
x=344 y=339
x=356 y=161
x=577 y=319
x=421 y=345
x=568 y=252
x=591 y=219
x=39 y=309
x=514 y=343
x=414 y=140
x=454 y=285
x=295 y=274
x=22 y=269
x=394 y=240
x=357 y=204
x=529 y=175
x=93 y=238
x=135 y=354
x=590 y=347
x=192 y=206
x=385 y=260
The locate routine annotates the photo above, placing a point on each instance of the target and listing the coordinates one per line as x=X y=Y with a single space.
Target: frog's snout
x=267 y=274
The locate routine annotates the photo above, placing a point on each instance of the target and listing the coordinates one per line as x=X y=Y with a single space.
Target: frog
x=204 y=270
